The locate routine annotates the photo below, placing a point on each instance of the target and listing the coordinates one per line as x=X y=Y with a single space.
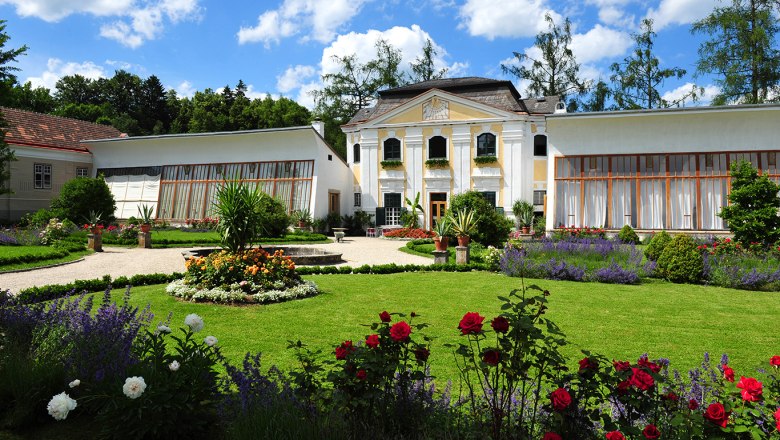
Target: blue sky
x=282 y=47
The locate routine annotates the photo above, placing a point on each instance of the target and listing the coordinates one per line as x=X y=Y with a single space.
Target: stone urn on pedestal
x=442 y=229
x=146 y=216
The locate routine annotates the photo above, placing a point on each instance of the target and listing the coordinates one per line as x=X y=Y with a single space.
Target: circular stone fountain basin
x=301 y=255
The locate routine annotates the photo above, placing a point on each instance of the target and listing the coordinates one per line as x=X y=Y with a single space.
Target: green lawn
x=666 y=320
x=38 y=251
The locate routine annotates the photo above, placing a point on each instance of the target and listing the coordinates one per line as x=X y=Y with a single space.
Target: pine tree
x=742 y=51
x=6 y=77
x=423 y=68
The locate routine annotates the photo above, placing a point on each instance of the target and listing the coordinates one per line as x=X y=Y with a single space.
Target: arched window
x=437 y=148
x=356 y=153
x=486 y=144
x=540 y=145
x=392 y=149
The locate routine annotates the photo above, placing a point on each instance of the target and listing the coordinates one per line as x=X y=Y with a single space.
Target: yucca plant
x=237 y=207
x=464 y=222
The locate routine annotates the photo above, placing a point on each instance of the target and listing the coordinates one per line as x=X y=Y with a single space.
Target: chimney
x=319 y=127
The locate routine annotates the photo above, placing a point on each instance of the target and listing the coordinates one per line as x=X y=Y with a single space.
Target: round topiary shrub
x=83 y=195
x=681 y=261
x=657 y=244
x=627 y=235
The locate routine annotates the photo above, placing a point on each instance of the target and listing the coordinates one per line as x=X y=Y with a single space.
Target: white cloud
x=317 y=19
x=185 y=89
x=613 y=12
x=54 y=10
x=135 y=21
x=305 y=97
x=598 y=43
x=294 y=77
x=505 y=18
x=56 y=69
x=704 y=99
x=680 y=12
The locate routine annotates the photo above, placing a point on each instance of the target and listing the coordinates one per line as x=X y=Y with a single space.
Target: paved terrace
x=118 y=261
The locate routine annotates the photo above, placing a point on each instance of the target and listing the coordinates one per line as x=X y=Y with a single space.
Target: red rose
x=621 y=365
x=385 y=317
x=651 y=432
x=587 y=364
x=361 y=375
x=372 y=341
x=551 y=436
x=728 y=373
x=775 y=361
x=751 y=389
x=400 y=331
x=500 y=324
x=716 y=413
x=641 y=379
x=693 y=405
x=615 y=435
x=671 y=396
x=344 y=349
x=491 y=357
x=777 y=415
x=652 y=366
x=560 y=399
x=622 y=387
x=471 y=323
x=421 y=354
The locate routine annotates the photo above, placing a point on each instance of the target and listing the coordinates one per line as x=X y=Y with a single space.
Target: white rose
x=163 y=329
x=210 y=341
x=174 y=366
x=75 y=383
x=194 y=322
x=60 y=405
x=134 y=387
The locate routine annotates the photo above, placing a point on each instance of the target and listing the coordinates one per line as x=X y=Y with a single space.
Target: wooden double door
x=437 y=208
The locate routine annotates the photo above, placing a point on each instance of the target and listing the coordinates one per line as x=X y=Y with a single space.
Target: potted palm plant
x=442 y=229
x=524 y=213
x=464 y=223
x=146 y=213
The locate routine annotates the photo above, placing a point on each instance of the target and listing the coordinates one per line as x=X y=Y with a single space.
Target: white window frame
x=42 y=169
x=82 y=171
x=476 y=140
x=446 y=147
x=401 y=142
x=358 y=200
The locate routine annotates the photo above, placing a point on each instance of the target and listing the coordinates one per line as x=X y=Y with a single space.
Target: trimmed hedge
x=59 y=251
x=110 y=240
x=53 y=291
x=383 y=269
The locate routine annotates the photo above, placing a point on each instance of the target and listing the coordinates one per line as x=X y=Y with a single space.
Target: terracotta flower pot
x=441 y=243
x=526 y=229
x=463 y=240
x=96 y=231
x=146 y=227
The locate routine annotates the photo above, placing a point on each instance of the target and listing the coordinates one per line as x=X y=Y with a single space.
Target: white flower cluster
x=174 y=366
x=492 y=256
x=210 y=341
x=235 y=294
x=134 y=387
x=75 y=383
x=194 y=322
x=163 y=329
x=60 y=405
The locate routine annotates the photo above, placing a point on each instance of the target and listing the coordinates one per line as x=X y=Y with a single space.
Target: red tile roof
x=48 y=131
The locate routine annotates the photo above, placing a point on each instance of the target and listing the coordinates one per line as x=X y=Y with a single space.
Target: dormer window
x=392 y=149
x=486 y=145
x=437 y=148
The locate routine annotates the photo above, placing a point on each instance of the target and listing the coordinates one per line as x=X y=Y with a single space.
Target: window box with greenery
x=388 y=164
x=437 y=163
x=481 y=160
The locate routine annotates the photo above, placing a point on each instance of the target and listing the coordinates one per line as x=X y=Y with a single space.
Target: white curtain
x=682 y=199
x=652 y=204
x=621 y=203
x=713 y=198
x=595 y=212
x=567 y=203
x=132 y=191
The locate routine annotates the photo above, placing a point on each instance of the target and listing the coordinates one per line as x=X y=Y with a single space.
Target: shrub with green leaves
x=753 y=205
x=492 y=227
x=657 y=244
x=83 y=195
x=681 y=261
x=274 y=220
x=628 y=235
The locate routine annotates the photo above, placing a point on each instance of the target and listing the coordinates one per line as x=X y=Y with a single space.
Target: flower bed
x=414 y=233
x=252 y=275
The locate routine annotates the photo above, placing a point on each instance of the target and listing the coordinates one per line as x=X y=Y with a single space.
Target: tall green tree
x=355 y=86
x=742 y=51
x=6 y=77
x=556 y=72
x=753 y=204
x=636 y=80
x=26 y=97
x=153 y=114
x=597 y=98
x=423 y=67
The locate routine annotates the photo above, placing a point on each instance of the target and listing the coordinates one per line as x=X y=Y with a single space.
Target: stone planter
x=95 y=241
x=146 y=227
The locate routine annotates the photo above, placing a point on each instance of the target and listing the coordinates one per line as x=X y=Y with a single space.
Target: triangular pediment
x=439 y=106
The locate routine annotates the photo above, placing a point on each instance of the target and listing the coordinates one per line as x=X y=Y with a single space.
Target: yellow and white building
x=443 y=137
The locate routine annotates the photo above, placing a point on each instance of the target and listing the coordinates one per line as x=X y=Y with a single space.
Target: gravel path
x=116 y=262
